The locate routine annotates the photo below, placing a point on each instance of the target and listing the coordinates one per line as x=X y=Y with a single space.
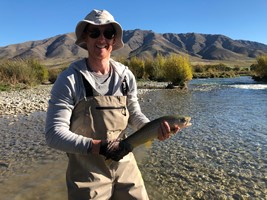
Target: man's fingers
x=177 y=128
x=164 y=131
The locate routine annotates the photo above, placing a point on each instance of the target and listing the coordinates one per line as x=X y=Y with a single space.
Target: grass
x=21 y=73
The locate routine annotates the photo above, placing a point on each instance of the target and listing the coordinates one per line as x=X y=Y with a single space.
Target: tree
x=261 y=66
x=158 y=65
x=137 y=66
x=149 y=69
x=177 y=70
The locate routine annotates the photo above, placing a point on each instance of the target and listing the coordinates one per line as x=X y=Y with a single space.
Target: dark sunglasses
x=108 y=33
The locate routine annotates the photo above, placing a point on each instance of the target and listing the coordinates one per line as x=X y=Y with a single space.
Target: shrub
x=260 y=69
x=137 y=66
x=39 y=72
x=159 y=65
x=219 y=71
x=198 y=68
x=150 y=71
x=218 y=67
x=53 y=74
x=177 y=69
x=21 y=71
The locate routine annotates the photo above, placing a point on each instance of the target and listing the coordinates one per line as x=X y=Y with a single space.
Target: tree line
x=175 y=69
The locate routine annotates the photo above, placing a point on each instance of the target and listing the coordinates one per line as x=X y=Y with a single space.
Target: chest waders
x=91 y=176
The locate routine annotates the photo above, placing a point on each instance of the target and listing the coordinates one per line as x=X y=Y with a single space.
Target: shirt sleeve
x=57 y=128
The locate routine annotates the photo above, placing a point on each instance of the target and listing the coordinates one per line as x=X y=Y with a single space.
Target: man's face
x=99 y=40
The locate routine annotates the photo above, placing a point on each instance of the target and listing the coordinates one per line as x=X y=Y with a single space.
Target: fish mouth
x=188 y=123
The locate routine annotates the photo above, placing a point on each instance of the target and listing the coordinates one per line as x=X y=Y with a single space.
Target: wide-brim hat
x=99 y=17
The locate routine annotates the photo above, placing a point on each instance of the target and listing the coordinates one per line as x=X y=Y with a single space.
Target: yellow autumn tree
x=137 y=66
x=177 y=70
x=261 y=67
x=158 y=65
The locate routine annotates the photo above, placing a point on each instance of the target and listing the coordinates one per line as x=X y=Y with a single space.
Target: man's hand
x=115 y=149
x=164 y=131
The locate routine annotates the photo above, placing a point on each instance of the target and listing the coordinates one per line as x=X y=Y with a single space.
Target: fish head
x=183 y=121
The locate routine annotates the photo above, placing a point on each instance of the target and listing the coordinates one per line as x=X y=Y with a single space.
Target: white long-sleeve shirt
x=69 y=90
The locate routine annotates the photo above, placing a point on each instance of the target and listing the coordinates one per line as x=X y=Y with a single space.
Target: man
x=91 y=104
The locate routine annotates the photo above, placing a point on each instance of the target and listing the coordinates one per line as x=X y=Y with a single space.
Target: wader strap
x=88 y=88
x=124 y=87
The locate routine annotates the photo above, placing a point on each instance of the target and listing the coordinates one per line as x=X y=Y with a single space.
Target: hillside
x=145 y=44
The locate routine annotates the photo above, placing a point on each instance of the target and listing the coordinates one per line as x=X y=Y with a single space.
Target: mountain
x=144 y=44
x=58 y=49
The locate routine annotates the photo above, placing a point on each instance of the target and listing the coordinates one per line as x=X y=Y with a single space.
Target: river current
x=223 y=155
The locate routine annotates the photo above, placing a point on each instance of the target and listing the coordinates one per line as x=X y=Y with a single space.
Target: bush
x=22 y=72
x=150 y=71
x=137 y=66
x=260 y=69
x=39 y=72
x=219 y=71
x=177 y=70
x=53 y=72
x=159 y=65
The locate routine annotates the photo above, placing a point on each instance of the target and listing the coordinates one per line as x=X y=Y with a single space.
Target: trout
x=149 y=131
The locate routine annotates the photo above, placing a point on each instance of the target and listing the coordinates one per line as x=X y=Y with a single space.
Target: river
x=223 y=155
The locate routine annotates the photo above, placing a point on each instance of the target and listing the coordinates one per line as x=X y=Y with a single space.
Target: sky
x=30 y=20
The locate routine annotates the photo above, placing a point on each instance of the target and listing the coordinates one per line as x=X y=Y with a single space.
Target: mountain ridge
x=143 y=44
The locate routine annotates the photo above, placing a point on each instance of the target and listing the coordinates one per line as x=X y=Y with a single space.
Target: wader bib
x=91 y=176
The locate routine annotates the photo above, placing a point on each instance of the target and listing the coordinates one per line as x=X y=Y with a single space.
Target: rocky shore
x=22 y=118
x=24 y=101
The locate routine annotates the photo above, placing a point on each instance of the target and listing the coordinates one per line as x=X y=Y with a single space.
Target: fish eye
x=183 y=120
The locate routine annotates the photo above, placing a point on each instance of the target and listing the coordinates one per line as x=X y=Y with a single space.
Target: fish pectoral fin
x=148 y=144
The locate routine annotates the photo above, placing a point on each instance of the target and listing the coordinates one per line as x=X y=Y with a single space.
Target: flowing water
x=223 y=155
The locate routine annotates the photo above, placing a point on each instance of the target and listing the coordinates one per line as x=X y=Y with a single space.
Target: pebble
x=24 y=101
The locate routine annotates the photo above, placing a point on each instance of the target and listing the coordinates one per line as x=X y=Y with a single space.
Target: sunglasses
x=108 y=33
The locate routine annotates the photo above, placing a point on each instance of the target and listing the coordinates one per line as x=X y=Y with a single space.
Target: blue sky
x=28 y=20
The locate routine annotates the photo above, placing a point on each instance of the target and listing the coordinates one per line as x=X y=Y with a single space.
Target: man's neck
x=99 y=66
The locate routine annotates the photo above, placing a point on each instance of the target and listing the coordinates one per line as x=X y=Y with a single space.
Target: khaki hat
x=99 y=17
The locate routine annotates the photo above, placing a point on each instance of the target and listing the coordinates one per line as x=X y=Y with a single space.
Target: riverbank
x=27 y=101
x=24 y=102
x=22 y=118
